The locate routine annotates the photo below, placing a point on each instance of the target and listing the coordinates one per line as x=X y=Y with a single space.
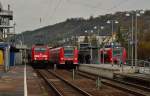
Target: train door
x=75 y=56
x=1 y=58
x=104 y=56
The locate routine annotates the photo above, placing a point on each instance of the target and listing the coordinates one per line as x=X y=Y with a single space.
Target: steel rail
x=72 y=85
x=106 y=82
x=49 y=83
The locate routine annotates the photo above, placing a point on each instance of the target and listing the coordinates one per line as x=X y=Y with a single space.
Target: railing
x=142 y=65
x=6 y=13
x=6 y=26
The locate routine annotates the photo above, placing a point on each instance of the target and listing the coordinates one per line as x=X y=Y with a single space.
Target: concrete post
x=7 y=59
x=149 y=67
x=73 y=74
x=98 y=82
x=55 y=67
x=76 y=68
x=132 y=58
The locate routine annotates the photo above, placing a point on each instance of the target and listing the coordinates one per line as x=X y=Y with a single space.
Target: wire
x=84 y=4
x=117 y=5
x=55 y=9
x=99 y=4
x=50 y=3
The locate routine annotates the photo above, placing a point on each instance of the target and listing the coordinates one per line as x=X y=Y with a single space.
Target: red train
x=119 y=55
x=64 y=55
x=40 y=55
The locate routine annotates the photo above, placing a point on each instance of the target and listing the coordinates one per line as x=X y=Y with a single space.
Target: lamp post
x=138 y=13
x=134 y=34
x=98 y=56
x=103 y=52
x=112 y=29
x=91 y=52
x=98 y=43
x=132 y=38
x=14 y=26
x=102 y=27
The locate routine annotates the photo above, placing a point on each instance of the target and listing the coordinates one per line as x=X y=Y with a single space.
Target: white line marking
x=25 y=81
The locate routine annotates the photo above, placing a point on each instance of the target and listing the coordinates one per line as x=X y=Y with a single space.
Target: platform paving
x=12 y=82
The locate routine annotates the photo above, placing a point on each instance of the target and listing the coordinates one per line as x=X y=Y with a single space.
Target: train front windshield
x=40 y=50
x=68 y=52
x=117 y=52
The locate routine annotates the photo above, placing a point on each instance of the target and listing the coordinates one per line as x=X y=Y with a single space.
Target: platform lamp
x=135 y=14
x=112 y=22
x=138 y=13
x=98 y=43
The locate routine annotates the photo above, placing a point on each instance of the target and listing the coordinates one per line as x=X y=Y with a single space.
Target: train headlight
x=35 y=59
x=111 y=59
x=61 y=58
x=75 y=59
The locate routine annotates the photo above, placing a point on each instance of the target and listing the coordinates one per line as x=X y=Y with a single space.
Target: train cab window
x=40 y=49
x=68 y=52
x=117 y=52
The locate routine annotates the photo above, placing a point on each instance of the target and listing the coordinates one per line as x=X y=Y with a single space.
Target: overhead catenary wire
x=50 y=3
x=55 y=9
x=47 y=14
x=116 y=6
x=98 y=6
x=85 y=4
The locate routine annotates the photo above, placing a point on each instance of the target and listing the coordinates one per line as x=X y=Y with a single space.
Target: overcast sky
x=27 y=13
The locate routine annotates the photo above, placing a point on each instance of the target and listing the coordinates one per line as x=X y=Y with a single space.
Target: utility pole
x=132 y=47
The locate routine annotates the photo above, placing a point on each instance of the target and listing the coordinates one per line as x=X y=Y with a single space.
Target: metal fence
x=142 y=65
x=6 y=12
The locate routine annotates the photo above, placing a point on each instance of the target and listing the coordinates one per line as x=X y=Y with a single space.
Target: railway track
x=90 y=85
x=132 y=88
x=137 y=80
x=61 y=86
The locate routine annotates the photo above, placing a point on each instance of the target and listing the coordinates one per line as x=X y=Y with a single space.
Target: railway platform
x=106 y=70
x=12 y=82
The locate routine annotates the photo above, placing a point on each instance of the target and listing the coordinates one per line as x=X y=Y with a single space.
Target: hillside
x=77 y=26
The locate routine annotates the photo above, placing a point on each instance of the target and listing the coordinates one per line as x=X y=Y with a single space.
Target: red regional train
x=64 y=55
x=40 y=55
x=119 y=55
